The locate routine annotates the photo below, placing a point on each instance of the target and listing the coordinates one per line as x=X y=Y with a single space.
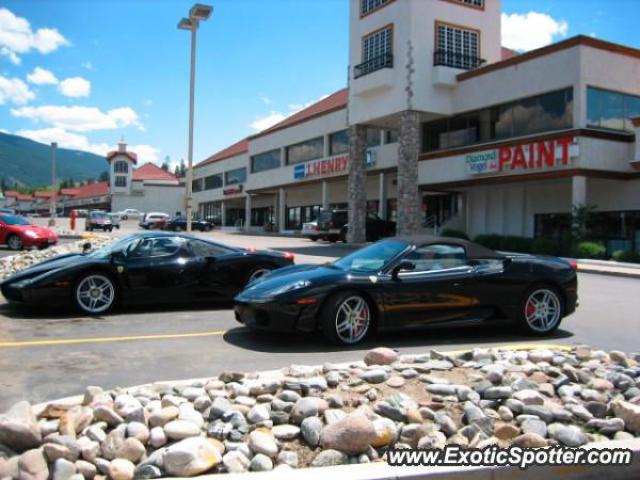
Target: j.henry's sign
x=321 y=168
x=539 y=155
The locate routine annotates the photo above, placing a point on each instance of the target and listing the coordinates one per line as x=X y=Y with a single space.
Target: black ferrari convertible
x=145 y=268
x=412 y=281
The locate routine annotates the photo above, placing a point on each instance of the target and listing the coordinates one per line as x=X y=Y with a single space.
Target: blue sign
x=299 y=171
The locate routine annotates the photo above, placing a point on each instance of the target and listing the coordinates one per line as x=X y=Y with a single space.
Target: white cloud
x=17 y=37
x=80 y=119
x=75 y=87
x=531 y=30
x=15 y=91
x=88 y=65
x=41 y=76
x=75 y=141
x=269 y=120
x=274 y=117
x=266 y=100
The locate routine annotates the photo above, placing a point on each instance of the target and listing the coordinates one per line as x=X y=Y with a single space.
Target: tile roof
x=335 y=101
x=69 y=191
x=45 y=194
x=236 y=149
x=24 y=197
x=132 y=155
x=150 y=171
x=11 y=193
x=92 y=190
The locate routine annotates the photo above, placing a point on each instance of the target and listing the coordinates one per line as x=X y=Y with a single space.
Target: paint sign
x=232 y=190
x=321 y=168
x=523 y=157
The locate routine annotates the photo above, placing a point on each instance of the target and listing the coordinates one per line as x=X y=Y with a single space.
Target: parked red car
x=17 y=233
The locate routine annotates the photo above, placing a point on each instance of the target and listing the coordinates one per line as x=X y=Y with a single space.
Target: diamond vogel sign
x=523 y=157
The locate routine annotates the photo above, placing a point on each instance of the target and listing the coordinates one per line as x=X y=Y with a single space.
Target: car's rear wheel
x=95 y=293
x=258 y=272
x=177 y=228
x=346 y=318
x=14 y=242
x=207 y=228
x=541 y=310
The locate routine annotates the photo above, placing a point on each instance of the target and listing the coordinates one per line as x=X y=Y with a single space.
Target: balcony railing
x=373 y=64
x=449 y=58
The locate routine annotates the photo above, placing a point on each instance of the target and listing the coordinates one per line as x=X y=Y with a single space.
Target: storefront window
x=611 y=110
x=262 y=216
x=234 y=217
x=296 y=216
x=232 y=177
x=339 y=142
x=213 y=181
x=196 y=185
x=542 y=113
x=211 y=211
x=305 y=151
x=265 y=161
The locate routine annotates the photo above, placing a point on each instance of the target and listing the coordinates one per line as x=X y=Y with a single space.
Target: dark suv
x=332 y=226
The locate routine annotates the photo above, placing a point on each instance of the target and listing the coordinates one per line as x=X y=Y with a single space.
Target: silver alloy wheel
x=353 y=319
x=15 y=242
x=95 y=293
x=258 y=274
x=542 y=310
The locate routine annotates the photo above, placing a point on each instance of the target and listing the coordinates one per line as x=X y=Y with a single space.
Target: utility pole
x=52 y=207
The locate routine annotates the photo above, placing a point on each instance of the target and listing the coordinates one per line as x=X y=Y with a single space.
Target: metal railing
x=450 y=58
x=373 y=64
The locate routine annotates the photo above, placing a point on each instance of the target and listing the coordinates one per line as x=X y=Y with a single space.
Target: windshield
x=99 y=215
x=124 y=244
x=372 y=258
x=14 y=220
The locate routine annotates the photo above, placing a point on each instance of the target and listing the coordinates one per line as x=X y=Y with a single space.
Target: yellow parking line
x=74 y=341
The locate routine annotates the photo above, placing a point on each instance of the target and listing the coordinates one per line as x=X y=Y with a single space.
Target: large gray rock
x=307 y=407
x=121 y=469
x=32 y=465
x=181 y=429
x=327 y=458
x=235 y=461
x=569 y=435
x=263 y=442
x=261 y=463
x=380 y=356
x=629 y=412
x=63 y=469
x=191 y=456
x=351 y=435
x=19 y=428
x=311 y=428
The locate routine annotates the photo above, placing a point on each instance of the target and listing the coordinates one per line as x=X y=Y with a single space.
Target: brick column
x=357 y=183
x=409 y=202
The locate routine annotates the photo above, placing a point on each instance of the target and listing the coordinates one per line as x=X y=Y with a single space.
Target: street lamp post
x=52 y=206
x=197 y=13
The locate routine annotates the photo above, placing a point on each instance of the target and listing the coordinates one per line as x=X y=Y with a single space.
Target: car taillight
x=573 y=264
x=288 y=255
x=251 y=249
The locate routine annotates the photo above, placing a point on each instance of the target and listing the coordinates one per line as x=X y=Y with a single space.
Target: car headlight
x=31 y=234
x=290 y=287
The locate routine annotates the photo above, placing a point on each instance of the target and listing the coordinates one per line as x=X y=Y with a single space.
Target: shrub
x=627 y=256
x=590 y=250
x=489 y=240
x=544 y=246
x=452 y=233
x=512 y=243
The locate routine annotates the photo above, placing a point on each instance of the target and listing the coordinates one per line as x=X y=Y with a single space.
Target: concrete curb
x=383 y=471
x=582 y=268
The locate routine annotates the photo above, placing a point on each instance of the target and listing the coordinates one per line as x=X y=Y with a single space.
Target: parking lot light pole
x=52 y=206
x=197 y=13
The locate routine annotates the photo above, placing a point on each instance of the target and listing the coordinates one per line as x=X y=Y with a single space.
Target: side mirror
x=86 y=246
x=118 y=255
x=403 y=266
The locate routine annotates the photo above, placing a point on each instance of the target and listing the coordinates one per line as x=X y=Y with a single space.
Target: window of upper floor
x=339 y=142
x=232 y=177
x=611 y=110
x=120 y=181
x=121 y=167
x=305 y=151
x=265 y=161
x=377 y=52
x=196 y=185
x=213 y=181
x=457 y=47
x=370 y=6
x=470 y=3
x=541 y=113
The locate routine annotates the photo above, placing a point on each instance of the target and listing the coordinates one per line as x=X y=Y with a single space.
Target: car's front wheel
x=258 y=272
x=95 y=293
x=15 y=242
x=541 y=310
x=347 y=318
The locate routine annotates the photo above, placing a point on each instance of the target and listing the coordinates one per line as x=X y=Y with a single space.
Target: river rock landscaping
x=305 y=416
x=25 y=259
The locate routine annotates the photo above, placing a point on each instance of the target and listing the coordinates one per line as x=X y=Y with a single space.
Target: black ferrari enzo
x=412 y=281
x=145 y=268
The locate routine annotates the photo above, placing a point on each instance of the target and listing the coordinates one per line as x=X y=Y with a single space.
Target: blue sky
x=120 y=68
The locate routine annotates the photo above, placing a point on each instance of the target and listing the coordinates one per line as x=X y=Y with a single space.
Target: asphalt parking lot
x=47 y=355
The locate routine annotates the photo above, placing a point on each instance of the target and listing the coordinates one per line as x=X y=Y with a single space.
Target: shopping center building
x=436 y=110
